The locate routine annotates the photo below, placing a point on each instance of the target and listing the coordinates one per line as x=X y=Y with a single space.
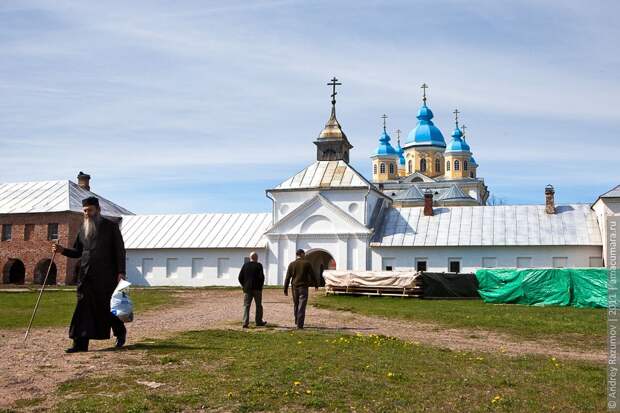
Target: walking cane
x=36 y=306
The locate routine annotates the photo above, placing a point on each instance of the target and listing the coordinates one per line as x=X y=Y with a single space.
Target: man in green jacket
x=301 y=275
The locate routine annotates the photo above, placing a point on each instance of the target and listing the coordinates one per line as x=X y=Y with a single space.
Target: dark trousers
x=300 y=299
x=118 y=329
x=248 y=296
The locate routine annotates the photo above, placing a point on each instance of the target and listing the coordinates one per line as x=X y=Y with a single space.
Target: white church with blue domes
x=425 y=209
x=426 y=163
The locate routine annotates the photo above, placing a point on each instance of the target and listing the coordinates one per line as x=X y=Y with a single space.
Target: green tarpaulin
x=577 y=287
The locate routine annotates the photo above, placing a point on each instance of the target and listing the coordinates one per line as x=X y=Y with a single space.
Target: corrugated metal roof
x=326 y=174
x=489 y=225
x=453 y=193
x=613 y=193
x=411 y=194
x=195 y=230
x=50 y=196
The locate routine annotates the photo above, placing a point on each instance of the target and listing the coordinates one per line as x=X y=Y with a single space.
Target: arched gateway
x=321 y=260
x=14 y=272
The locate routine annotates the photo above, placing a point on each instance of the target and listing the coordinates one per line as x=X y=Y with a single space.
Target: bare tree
x=493 y=200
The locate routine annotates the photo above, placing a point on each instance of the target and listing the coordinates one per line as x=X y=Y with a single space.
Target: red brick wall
x=38 y=247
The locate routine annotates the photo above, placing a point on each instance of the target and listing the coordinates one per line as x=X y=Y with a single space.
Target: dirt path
x=34 y=370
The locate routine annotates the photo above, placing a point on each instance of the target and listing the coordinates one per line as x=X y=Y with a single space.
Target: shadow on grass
x=151 y=346
x=312 y=328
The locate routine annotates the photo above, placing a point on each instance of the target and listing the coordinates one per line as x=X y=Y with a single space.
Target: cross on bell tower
x=332 y=144
x=333 y=83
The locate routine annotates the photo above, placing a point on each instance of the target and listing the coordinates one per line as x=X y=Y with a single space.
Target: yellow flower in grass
x=230 y=394
x=496 y=399
x=308 y=391
x=296 y=383
x=390 y=374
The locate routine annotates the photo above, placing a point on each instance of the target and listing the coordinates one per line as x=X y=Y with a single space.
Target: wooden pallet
x=415 y=291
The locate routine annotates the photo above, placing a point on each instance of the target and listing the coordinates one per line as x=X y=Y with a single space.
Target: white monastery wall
x=472 y=258
x=187 y=267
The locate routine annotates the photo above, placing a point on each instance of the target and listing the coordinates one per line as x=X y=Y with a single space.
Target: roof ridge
x=198 y=213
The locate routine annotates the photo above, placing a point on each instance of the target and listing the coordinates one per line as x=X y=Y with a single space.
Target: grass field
x=57 y=307
x=316 y=371
x=585 y=328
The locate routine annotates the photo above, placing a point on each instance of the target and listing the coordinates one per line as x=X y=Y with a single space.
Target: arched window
x=464 y=165
x=447 y=165
x=471 y=174
x=457 y=166
x=422 y=165
x=391 y=168
x=374 y=169
x=410 y=167
x=437 y=165
x=382 y=168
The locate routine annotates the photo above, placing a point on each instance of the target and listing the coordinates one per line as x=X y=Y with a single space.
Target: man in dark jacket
x=301 y=275
x=100 y=248
x=252 y=279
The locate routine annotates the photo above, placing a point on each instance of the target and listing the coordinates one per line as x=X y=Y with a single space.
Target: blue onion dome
x=385 y=148
x=401 y=152
x=457 y=144
x=425 y=132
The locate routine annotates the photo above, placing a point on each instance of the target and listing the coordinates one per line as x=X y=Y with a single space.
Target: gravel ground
x=35 y=369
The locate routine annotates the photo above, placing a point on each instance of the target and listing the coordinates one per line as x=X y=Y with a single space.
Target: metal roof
x=412 y=193
x=50 y=196
x=454 y=193
x=326 y=174
x=195 y=230
x=613 y=193
x=509 y=225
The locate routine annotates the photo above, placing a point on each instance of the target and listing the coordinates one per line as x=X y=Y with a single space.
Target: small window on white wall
x=524 y=262
x=172 y=267
x=388 y=264
x=223 y=267
x=489 y=262
x=197 y=267
x=454 y=265
x=420 y=264
x=596 y=262
x=147 y=267
x=560 y=262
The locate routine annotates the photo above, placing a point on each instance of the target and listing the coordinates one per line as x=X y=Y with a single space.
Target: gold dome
x=332 y=130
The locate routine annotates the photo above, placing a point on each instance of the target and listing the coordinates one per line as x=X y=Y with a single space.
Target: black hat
x=300 y=252
x=91 y=200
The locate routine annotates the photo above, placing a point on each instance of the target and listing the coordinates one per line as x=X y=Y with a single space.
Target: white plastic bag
x=120 y=304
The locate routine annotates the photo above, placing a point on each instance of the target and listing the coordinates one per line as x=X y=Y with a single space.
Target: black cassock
x=102 y=258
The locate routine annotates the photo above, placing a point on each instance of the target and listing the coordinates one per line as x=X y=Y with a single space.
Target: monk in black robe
x=100 y=248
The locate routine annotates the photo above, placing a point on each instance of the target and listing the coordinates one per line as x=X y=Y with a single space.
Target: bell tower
x=332 y=144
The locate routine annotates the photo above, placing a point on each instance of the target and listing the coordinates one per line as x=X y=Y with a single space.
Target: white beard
x=90 y=227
